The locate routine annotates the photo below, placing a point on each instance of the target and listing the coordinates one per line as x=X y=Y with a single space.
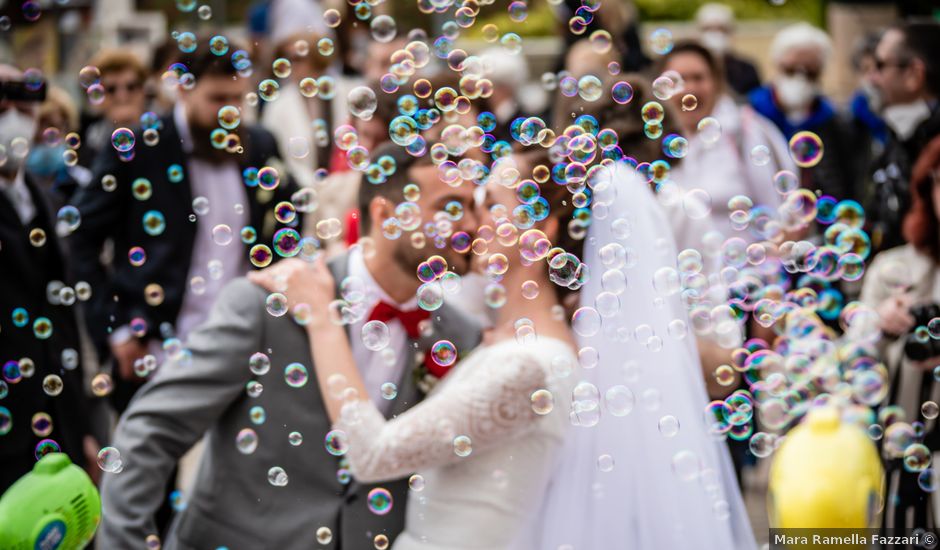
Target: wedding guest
x=794 y=101
x=620 y=19
x=271 y=22
x=50 y=162
x=902 y=285
x=182 y=214
x=481 y=417
x=378 y=57
x=908 y=81
x=865 y=102
x=161 y=95
x=290 y=497
x=720 y=157
x=122 y=75
x=301 y=125
x=715 y=23
x=336 y=220
x=582 y=59
x=44 y=407
x=868 y=128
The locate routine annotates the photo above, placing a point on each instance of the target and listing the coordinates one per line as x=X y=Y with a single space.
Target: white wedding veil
x=641 y=471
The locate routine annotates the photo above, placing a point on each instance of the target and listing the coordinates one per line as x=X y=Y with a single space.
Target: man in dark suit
x=907 y=77
x=42 y=403
x=186 y=211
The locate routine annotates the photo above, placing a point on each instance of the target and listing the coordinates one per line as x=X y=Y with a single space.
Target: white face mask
x=716 y=41
x=15 y=124
x=906 y=117
x=795 y=93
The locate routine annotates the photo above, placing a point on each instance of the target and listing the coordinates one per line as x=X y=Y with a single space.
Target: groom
x=260 y=484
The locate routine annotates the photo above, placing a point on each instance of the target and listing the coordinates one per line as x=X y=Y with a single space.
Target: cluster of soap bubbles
x=823 y=346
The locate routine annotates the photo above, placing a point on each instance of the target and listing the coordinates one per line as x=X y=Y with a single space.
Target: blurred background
x=69 y=32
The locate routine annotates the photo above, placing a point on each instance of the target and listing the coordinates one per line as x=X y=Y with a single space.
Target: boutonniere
x=428 y=373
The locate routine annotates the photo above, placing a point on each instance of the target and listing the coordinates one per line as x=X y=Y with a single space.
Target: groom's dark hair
x=393 y=187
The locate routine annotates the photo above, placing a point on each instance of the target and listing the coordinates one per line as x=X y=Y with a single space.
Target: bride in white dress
x=641 y=470
x=483 y=443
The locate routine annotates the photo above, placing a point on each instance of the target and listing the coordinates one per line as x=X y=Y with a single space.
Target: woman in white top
x=301 y=125
x=733 y=151
x=485 y=439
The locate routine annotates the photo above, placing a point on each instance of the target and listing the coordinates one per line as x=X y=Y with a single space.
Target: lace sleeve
x=483 y=408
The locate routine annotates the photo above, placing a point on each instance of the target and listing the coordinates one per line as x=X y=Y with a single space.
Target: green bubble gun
x=54 y=507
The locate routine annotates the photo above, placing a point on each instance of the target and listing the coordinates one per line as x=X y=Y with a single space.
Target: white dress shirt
x=372 y=366
x=18 y=194
x=222 y=185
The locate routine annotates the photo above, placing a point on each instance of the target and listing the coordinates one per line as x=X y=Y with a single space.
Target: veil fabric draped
x=633 y=481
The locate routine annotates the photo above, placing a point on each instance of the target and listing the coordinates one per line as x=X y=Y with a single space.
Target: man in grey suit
x=267 y=478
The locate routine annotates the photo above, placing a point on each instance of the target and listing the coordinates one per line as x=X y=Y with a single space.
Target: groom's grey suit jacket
x=233 y=504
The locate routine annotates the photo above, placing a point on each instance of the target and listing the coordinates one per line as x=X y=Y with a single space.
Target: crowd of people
x=672 y=188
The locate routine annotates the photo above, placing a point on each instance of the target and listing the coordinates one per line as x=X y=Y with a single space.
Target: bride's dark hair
x=562 y=208
x=625 y=119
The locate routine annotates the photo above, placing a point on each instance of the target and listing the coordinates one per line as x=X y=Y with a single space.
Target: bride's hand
x=302 y=282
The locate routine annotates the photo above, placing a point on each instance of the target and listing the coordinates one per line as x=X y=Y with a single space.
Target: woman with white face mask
x=794 y=101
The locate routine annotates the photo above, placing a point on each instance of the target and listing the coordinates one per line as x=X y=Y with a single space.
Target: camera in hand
x=914 y=348
x=17 y=90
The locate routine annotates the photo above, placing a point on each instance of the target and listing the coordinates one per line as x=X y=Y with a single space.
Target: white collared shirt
x=19 y=196
x=372 y=366
x=222 y=185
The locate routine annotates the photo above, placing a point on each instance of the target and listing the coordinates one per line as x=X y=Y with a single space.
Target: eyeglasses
x=129 y=87
x=881 y=64
x=810 y=74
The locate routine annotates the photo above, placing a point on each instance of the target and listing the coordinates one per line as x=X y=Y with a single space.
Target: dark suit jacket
x=25 y=274
x=117 y=215
x=741 y=74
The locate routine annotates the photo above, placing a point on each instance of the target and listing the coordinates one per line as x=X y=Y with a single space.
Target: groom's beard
x=407 y=258
x=203 y=148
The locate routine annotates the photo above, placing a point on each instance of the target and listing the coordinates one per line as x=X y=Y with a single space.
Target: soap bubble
x=277 y=476
x=806 y=149
x=462 y=446
x=109 y=460
x=362 y=102
x=379 y=501
x=542 y=402
x=383 y=28
x=375 y=335
x=122 y=140
x=661 y=41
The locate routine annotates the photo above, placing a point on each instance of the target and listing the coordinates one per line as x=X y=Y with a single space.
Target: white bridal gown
x=643 y=472
x=488 y=499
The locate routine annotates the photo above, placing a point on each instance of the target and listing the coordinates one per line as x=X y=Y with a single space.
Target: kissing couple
x=346 y=404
